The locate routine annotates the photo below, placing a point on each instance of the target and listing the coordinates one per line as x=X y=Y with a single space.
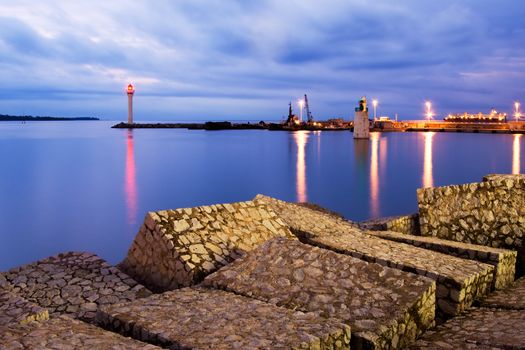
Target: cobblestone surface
x=193 y=318
x=74 y=284
x=65 y=333
x=16 y=310
x=512 y=298
x=504 y=260
x=459 y=281
x=385 y=307
x=178 y=248
x=478 y=329
x=490 y=213
x=407 y=224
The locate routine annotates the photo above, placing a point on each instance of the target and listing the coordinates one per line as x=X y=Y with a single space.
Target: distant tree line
x=5 y=117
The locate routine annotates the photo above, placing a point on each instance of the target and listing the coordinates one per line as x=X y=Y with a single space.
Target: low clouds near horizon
x=204 y=60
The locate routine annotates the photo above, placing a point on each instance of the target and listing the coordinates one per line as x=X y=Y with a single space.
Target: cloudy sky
x=246 y=59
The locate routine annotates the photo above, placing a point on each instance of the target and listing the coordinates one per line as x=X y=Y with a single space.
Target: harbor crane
x=308 y=113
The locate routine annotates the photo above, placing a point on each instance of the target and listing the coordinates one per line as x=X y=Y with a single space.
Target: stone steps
x=178 y=248
x=459 y=281
x=385 y=308
x=65 y=333
x=74 y=284
x=408 y=224
x=478 y=329
x=193 y=318
x=503 y=260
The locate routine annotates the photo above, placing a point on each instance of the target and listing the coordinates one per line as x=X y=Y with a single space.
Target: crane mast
x=308 y=113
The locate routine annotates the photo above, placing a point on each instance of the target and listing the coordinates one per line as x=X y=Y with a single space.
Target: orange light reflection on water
x=516 y=154
x=130 y=180
x=301 y=137
x=428 y=177
x=374 y=174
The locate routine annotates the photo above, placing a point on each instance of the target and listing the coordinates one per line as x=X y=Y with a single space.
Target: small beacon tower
x=361 y=122
x=130 y=91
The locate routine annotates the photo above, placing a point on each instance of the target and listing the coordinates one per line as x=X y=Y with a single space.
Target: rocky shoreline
x=266 y=274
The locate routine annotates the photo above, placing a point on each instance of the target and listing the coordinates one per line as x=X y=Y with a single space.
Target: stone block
x=490 y=213
x=15 y=310
x=459 y=281
x=512 y=298
x=194 y=318
x=407 y=224
x=66 y=333
x=74 y=284
x=178 y=248
x=478 y=329
x=503 y=260
x=385 y=308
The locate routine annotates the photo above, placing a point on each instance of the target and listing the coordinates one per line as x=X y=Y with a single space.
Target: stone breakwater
x=192 y=318
x=385 y=308
x=277 y=275
x=490 y=213
x=459 y=281
x=178 y=248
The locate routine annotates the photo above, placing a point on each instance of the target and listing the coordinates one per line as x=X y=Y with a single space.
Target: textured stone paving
x=489 y=213
x=512 y=298
x=16 y=310
x=65 y=333
x=407 y=224
x=180 y=247
x=385 y=307
x=74 y=284
x=193 y=318
x=459 y=281
x=478 y=329
x=504 y=260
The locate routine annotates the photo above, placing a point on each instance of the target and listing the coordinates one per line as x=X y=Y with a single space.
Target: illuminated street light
x=374 y=103
x=301 y=104
x=517 y=113
x=429 y=114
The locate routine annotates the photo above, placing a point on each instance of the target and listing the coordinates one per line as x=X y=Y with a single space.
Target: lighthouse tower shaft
x=361 y=122
x=130 y=108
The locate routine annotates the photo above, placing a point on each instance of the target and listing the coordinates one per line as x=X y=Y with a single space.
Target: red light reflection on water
x=130 y=180
x=374 y=174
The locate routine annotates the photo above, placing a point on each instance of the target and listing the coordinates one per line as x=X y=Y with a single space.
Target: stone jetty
x=385 y=308
x=191 y=318
x=270 y=274
x=459 y=281
x=178 y=248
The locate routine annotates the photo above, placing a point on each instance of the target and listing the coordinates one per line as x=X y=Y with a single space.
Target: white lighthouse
x=361 y=122
x=130 y=91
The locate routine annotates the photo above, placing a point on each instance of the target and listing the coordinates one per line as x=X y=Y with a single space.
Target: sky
x=247 y=59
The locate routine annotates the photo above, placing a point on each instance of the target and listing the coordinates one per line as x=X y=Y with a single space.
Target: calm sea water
x=83 y=186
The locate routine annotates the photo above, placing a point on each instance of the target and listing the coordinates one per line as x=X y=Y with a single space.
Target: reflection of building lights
x=374 y=174
x=428 y=179
x=516 y=154
x=301 y=137
x=130 y=181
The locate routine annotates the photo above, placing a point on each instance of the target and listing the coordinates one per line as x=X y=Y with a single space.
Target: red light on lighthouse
x=130 y=89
